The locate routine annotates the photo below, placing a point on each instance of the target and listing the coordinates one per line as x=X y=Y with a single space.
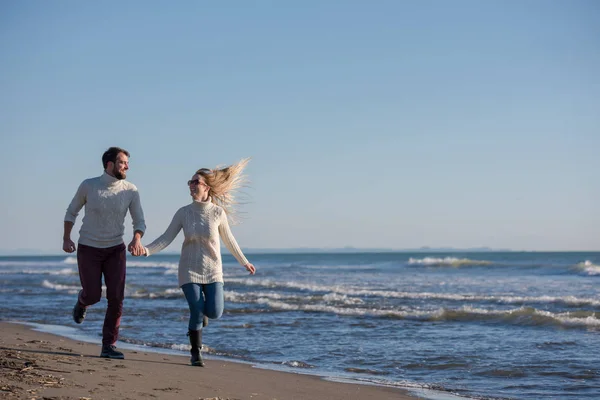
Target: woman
x=204 y=221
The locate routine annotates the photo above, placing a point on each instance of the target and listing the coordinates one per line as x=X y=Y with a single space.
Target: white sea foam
x=341 y=298
x=268 y=283
x=180 y=347
x=297 y=364
x=280 y=305
x=64 y=271
x=366 y=267
x=165 y=294
x=519 y=316
x=152 y=264
x=60 y=287
x=335 y=290
x=446 y=261
x=31 y=264
x=588 y=267
x=336 y=298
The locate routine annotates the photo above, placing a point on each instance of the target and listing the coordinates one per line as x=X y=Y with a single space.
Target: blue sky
x=389 y=124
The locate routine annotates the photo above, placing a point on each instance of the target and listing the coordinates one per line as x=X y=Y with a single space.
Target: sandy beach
x=36 y=365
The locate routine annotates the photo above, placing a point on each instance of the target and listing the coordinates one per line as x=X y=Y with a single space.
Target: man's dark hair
x=111 y=155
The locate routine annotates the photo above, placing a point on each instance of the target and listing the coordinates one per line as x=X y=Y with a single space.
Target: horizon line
x=347 y=249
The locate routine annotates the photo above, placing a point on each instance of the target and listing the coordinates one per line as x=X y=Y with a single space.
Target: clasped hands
x=136 y=248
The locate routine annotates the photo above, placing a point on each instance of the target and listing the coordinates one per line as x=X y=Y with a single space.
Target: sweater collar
x=203 y=204
x=107 y=179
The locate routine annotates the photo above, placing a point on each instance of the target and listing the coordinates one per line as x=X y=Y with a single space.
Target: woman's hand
x=250 y=268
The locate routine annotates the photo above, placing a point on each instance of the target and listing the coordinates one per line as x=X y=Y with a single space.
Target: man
x=101 y=250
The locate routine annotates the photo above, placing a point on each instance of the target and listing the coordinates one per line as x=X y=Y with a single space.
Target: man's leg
x=89 y=263
x=114 y=270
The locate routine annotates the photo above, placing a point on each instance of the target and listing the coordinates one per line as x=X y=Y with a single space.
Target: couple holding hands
x=101 y=251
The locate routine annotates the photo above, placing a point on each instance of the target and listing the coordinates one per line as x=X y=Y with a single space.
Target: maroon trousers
x=94 y=262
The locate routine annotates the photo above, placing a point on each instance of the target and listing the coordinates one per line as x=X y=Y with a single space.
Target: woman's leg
x=193 y=295
x=214 y=302
x=195 y=299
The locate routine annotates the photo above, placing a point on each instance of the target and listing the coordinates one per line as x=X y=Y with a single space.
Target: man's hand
x=69 y=246
x=136 y=248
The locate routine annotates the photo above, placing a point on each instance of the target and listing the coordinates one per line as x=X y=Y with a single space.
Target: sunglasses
x=196 y=182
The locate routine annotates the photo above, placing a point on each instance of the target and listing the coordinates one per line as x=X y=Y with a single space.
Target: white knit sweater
x=200 y=261
x=106 y=200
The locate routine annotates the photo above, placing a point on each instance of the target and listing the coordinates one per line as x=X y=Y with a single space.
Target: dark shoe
x=196 y=342
x=110 y=351
x=78 y=313
x=205 y=321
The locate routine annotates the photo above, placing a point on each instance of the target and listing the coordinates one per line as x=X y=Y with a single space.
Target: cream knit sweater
x=106 y=200
x=200 y=261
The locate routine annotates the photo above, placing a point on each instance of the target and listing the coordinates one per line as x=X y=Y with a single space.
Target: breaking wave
x=588 y=267
x=522 y=316
x=339 y=290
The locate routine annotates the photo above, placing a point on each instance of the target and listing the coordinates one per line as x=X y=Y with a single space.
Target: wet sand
x=36 y=365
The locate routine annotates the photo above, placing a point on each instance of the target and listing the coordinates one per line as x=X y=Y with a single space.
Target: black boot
x=196 y=342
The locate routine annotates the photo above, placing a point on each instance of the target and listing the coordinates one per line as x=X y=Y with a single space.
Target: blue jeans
x=203 y=299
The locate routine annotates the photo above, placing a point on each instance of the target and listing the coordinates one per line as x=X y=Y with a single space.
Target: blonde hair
x=223 y=181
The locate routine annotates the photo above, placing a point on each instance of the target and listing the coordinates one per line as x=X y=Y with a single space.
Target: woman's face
x=198 y=187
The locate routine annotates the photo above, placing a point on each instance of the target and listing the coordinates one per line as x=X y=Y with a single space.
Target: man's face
x=121 y=166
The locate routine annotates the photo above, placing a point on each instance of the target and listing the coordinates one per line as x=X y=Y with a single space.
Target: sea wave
x=30 y=264
x=137 y=263
x=528 y=316
x=588 y=267
x=72 y=261
x=60 y=287
x=164 y=294
x=523 y=316
x=447 y=262
x=333 y=290
x=330 y=298
x=297 y=364
x=64 y=271
x=152 y=264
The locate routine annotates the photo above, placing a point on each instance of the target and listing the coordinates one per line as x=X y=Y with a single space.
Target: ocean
x=484 y=325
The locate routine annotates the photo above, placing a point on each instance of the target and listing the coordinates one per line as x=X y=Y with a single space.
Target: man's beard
x=119 y=175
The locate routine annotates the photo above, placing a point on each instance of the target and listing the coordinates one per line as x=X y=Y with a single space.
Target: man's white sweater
x=203 y=223
x=106 y=200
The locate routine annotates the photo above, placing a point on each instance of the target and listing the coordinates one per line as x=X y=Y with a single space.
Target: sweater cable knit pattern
x=204 y=224
x=106 y=200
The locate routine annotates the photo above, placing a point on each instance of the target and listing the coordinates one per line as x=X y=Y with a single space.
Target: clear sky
x=374 y=124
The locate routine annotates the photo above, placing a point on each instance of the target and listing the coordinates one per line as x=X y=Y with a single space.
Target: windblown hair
x=223 y=182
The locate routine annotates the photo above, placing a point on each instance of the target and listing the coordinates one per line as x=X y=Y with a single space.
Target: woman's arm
x=166 y=238
x=230 y=241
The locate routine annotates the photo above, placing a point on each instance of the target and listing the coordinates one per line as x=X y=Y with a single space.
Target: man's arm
x=68 y=244
x=71 y=215
x=139 y=225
